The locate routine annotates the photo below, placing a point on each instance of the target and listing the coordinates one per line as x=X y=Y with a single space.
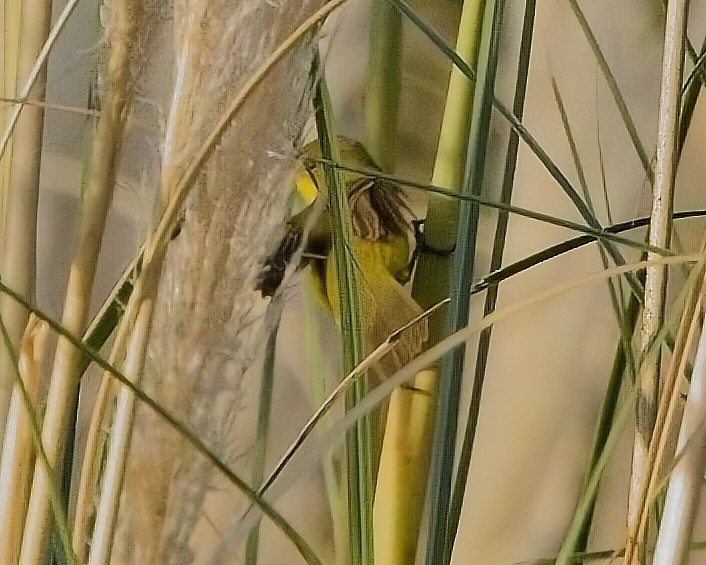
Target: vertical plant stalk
x=441 y=539
x=35 y=74
x=664 y=415
x=671 y=394
x=359 y=473
x=176 y=184
x=97 y=333
x=63 y=391
x=263 y=420
x=404 y=468
x=404 y=454
x=659 y=235
x=22 y=189
x=686 y=478
x=382 y=95
x=316 y=365
x=10 y=23
x=431 y=285
x=10 y=18
x=21 y=165
x=400 y=479
x=406 y=450
x=107 y=511
x=18 y=451
x=133 y=335
x=495 y=264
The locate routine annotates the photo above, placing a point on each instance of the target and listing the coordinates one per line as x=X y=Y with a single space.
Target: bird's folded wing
x=389 y=306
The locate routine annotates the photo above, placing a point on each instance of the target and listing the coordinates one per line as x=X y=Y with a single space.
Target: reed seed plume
x=208 y=320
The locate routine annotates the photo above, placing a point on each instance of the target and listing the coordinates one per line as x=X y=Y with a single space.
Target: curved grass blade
x=614 y=89
x=558 y=249
x=696 y=71
x=690 y=95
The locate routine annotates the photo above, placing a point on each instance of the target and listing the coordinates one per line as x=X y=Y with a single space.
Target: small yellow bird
x=382 y=230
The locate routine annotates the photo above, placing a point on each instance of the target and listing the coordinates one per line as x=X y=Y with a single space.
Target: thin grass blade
x=440 y=540
x=263 y=420
x=614 y=88
x=358 y=446
x=495 y=264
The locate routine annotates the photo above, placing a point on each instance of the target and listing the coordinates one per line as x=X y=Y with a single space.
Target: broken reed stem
x=22 y=188
x=659 y=235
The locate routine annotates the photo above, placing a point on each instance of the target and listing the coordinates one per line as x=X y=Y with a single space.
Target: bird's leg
x=421 y=245
x=413 y=389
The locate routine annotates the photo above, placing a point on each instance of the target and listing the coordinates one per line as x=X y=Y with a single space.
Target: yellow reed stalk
x=20 y=174
x=63 y=390
x=404 y=465
x=414 y=411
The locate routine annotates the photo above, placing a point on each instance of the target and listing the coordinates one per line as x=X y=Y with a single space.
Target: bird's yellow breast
x=376 y=262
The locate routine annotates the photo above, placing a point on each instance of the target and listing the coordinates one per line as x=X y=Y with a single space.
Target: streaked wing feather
x=389 y=306
x=378 y=208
